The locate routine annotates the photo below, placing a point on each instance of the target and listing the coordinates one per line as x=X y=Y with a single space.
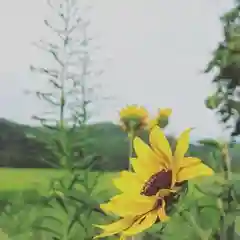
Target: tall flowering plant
x=148 y=189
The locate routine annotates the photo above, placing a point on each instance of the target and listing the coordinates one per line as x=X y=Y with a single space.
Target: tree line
x=22 y=146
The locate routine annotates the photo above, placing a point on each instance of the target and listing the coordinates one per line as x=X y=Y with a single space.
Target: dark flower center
x=158 y=181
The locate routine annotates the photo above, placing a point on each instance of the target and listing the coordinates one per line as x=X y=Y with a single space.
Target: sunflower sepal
x=165 y=192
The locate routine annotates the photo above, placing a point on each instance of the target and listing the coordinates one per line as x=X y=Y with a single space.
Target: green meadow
x=37 y=181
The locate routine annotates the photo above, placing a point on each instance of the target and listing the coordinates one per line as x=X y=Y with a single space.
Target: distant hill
x=16 y=150
x=24 y=146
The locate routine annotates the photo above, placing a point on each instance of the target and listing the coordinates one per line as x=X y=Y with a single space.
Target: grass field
x=13 y=179
x=22 y=179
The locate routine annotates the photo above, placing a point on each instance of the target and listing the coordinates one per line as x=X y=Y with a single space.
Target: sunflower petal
x=161 y=145
x=114 y=228
x=194 y=171
x=122 y=205
x=145 y=168
x=182 y=146
x=142 y=224
x=128 y=182
x=143 y=151
x=189 y=161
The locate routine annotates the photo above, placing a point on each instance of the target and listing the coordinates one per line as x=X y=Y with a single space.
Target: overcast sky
x=157 y=50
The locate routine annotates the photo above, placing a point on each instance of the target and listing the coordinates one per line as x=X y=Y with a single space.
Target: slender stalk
x=227 y=161
x=62 y=81
x=227 y=232
x=221 y=233
x=130 y=141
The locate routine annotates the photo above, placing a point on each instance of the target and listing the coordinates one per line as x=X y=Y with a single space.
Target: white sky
x=157 y=47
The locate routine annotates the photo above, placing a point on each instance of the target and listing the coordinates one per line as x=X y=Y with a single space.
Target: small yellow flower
x=165 y=112
x=161 y=119
x=158 y=175
x=133 y=118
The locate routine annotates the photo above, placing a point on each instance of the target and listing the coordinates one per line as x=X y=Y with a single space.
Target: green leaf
x=237 y=225
x=103 y=194
x=74 y=181
x=56 y=238
x=229 y=219
x=75 y=218
x=209 y=217
x=85 y=199
x=48 y=230
x=61 y=202
x=81 y=197
x=209 y=190
x=49 y=217
x=210 y=143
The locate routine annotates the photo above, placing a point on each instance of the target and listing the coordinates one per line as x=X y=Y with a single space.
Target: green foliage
x=68 y=211
x=226 y=61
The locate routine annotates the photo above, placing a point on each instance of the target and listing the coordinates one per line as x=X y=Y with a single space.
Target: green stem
x=230 y=232
x=227 y=232
x=130 y=140
x=221 y=234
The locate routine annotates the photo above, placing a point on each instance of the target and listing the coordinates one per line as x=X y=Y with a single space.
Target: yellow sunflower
x=147 y=191
x=161 y=119
x=133 y=117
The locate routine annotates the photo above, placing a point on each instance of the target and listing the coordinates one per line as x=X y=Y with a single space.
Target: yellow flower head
x=161 y=119
x=133 y=117
x=145 y=193
x=164 y=112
